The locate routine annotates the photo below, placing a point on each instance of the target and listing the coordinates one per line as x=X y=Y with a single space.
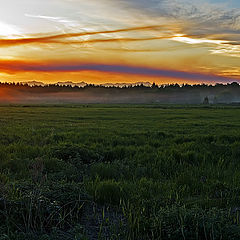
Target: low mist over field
x=119 y=93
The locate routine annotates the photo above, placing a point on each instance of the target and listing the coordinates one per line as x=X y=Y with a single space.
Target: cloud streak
x=58 y=38
x=223 y=46
x=64 y=21
x=158 y=32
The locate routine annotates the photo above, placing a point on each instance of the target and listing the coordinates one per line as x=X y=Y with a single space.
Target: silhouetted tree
x=154 y=85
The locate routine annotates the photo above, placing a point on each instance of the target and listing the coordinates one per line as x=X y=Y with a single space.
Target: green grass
x=163 y=172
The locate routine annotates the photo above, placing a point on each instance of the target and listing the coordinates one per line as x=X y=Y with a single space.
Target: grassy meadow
x=120 y=172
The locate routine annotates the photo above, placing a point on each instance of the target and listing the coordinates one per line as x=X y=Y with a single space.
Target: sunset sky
x=102 y=41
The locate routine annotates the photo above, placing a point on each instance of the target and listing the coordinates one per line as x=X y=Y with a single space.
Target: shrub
x=4 y=157
x=104 y=171
x=75 y=154
x=20 y=167
x=54 y=165
x=107 y=191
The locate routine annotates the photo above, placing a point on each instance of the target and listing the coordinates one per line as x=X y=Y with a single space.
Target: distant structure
x=206 y=100
x=215 y=100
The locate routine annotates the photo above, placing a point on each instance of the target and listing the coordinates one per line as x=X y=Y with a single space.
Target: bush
x=4 y=157
x=75 y=154
x=20 y=167
x=107 y=191
x=54 y=165
x=104 y=171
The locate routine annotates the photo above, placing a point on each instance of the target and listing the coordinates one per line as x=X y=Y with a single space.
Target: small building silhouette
x=206 y=100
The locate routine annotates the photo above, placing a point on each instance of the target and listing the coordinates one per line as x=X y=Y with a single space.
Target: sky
x=117 y=41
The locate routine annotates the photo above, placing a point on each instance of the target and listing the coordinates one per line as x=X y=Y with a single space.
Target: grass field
x=120 y=172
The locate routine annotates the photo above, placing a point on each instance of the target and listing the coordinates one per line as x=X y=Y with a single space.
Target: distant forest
x=135 y=93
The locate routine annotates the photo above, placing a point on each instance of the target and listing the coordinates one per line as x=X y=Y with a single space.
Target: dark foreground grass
x=119 y=172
